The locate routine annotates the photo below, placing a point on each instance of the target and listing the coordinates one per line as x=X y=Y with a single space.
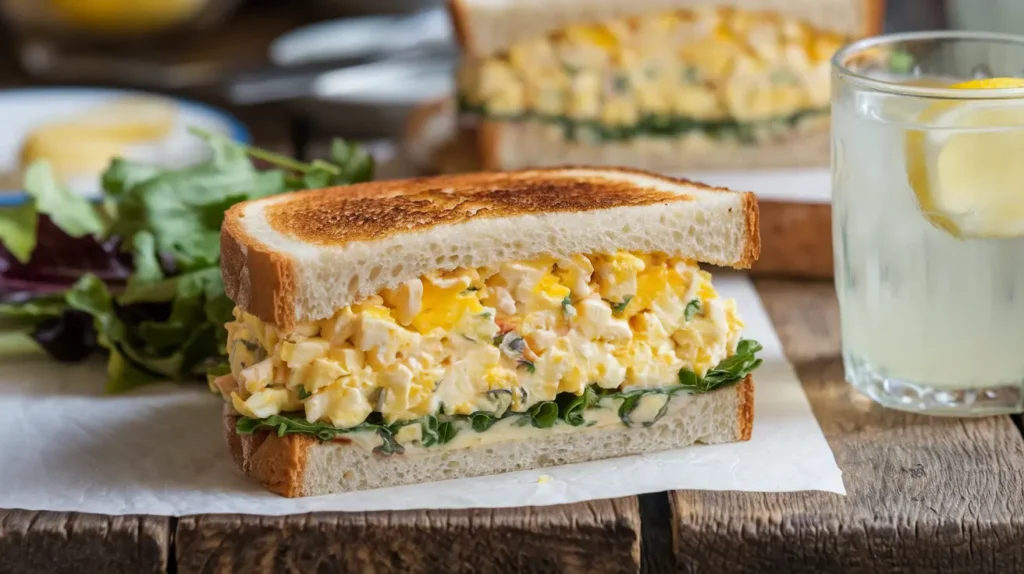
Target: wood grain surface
x=925 y=494
x=58 y=542
x=796 y=240
x=593 y=537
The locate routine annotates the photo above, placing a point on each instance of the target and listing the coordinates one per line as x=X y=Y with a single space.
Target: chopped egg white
x=701 y=66
x=486 y=339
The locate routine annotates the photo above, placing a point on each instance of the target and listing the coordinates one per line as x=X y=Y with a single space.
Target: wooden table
x=925 y=494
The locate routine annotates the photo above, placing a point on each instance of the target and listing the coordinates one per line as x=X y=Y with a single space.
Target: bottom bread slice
x=506 y=145
x=300 y=465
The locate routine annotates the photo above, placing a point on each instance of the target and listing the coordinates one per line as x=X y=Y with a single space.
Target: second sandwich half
x=399 y=332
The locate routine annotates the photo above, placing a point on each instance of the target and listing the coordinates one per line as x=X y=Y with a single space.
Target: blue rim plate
x=235 y=129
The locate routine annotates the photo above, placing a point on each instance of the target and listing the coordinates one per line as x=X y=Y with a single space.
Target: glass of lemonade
x=928 y=219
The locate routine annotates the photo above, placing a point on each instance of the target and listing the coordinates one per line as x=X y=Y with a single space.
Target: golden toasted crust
x=278 y=463
x=262 y=281
x=377 y=210
x=245 y=260
x=752 y=248
x=745 y=412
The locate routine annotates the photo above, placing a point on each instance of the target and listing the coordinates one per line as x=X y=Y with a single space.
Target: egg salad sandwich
x=399 y=332
x=666 y=85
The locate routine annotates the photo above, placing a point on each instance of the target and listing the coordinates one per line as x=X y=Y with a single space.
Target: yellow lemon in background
x=967 y=166
x=125 y=15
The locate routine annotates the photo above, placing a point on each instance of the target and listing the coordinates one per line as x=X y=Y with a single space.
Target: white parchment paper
x=67 y=447
x=797 y=185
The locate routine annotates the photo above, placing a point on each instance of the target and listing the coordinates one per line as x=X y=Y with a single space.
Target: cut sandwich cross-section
x=486 y=322
x=664 y=85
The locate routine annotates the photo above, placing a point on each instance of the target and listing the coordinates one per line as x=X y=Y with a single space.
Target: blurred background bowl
x=113 y=21
x=343 y=8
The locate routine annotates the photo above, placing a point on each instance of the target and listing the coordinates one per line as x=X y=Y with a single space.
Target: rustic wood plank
x=599 y=537
x=656 y=534
x=925 y=494
x=796 y=240
x=57 y=542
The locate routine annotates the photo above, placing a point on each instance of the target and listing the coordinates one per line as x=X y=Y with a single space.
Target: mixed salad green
x=136 y=275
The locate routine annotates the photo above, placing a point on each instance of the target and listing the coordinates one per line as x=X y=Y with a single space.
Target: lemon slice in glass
x=967 y=167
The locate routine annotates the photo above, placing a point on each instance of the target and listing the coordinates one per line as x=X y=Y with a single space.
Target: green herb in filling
x=618 y=308
x=571 y=407
x=567 y=408
x=651 y=125
x=693 y=308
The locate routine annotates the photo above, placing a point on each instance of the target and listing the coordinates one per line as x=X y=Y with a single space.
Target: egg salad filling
x=719 y=72
x=542 y=341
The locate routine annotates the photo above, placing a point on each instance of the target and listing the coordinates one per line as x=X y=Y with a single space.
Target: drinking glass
x=928 y=219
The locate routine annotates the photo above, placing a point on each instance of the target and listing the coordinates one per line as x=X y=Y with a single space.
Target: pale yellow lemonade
x=928 y=225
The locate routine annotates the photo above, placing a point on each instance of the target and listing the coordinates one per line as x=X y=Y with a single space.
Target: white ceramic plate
x=23 y=109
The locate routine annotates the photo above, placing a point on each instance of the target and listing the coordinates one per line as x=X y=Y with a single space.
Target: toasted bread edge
x=257 y=278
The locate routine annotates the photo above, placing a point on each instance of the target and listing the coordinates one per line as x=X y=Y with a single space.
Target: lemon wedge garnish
x=967 y=167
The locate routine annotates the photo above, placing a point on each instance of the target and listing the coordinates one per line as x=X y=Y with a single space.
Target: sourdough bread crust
x=281 y=463
x=528 y=144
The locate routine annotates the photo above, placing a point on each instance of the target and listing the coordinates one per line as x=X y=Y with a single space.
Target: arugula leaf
x=628 y=405
x=482 y=421
x=618 y=308
x=571 y=407
x=303 y=393
x=284 y=425
x=734 y=368
x=71 y=212
x=436 y=432
x=631 y=400
x=18 y=226
x=355 y=162
x=90 y=295
x=543 y=415
x=31 y=312
x=122 y=175
x=693 y=308
x=730 y=370
x=388 y=446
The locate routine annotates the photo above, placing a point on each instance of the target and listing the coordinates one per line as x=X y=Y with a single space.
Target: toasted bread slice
x=435 y=143
x=517 y=145
x=302 y=256
x=300 y=465
x=485 y=27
